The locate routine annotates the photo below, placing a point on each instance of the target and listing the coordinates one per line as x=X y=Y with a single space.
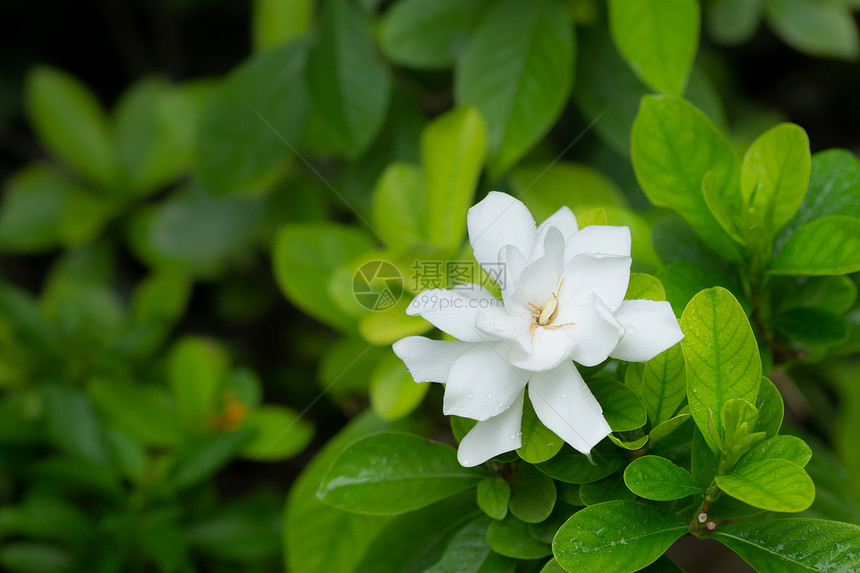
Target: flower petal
x=547 y=349
x=497 y=221
x=540 y=279
x=492 y=437
x=482 y=383
x=512 y=263
x=429 y=360
x=606 y=277
x=566 y=406
x=454 y=311
x=594 y=331
x=600 y=240
x=499 y=324
x=564 y=220
x=650 y=327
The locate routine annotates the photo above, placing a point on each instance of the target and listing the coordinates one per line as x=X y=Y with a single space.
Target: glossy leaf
x=770 y=409
x=469 y=552
x=616 y=537
x=493 y=496
x=517 y=70
x=348 y=84
x=391 y=473
x=621 y=407
x=664 y=384
x=721 y=354
x=532 y=494
x=793 y=545
x=539 y=442
x=772 y=484
x=826 y=246
x=512 y=538
x=789 y=448
x=674 y=146
x=658 y=39
x=572 y=467
x=608 y=489
x=657 y=478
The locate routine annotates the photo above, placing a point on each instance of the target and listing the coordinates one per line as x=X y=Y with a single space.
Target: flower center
x=545 y=314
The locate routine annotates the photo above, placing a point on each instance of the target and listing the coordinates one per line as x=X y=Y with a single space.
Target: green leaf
x=428 y=36
x=71 y=123
x=547 y=187
x=275 y=22
x=834 y=183
x=31 y=557
x=240 y=143
x=279 y=433
x=826 y=246
x=512 y=538
x=674 y=145
x=824 y=29
x=317 y=537
x=391 y=473
x=239 y=531
x=683 y=281
x=772 y=485
x=469 y=552
x=658 y=39
x=206 y=456
x=775 y=175
x=663 y=565
x=616 y=537
x=644 y=286
x=349 y=85
x=390 y=325
x=770 y=409
x=72 y=425
x=195 y=370
x=304 y=256
x=669 y=426
x=812 y=326
x=664 y=384
x=789 y=448
x=733 y=21
x=631 y=445
x=539 y=442
x=453 y=147
x=532 y=494
x=654 y=477
x=398 y=202
x=394 y=394
x=33 y=207
x=572 y=467
x=738 y=418
x=152 y=422
x=721 y=354
x=793 y=545
x=608 y=489
x=621 y=407
x=834 y=294
x=494 y=493
x=417 y=540
x=529 y=50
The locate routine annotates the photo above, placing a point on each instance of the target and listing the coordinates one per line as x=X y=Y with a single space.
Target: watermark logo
x=377 y=285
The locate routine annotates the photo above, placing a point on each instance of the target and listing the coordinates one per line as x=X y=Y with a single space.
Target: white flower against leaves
x=562 y=301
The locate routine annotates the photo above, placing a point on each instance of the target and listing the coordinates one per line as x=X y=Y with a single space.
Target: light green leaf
x=664 y=384
x=631 y=445
x=279 y=433
x=793 y=545
x=349 y=86
x=608 y=489
x=733 y=21
x=547 y=187
x=512 y=538
x=721 y=354
x=644 y=286
x=391 y=473
x=453 y=147
x=517 y=70
x=654 y=477
x=71 y=123
x=431 y=35
x=469 y=552
x=616 y=537
x=770 y=409
x=494 y=493
x=572 y=467
x=621 y=407
x=390 y=325
x=789 y=448
x=658 y=39
x=532 y=494
x=240 y=140
x=304 y=256
x=674 y=147
x=398 y=202
x=771 y=484
x=196 y=368
x=539 y=442
x=394 y=394
x=775 y=175
x=824 y=29
x=594 y=216
x=738 y=418
x=812 y=326
x=274 y=22
x=826 y=246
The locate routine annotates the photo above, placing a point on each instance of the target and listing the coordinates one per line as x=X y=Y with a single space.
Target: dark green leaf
x=469 y=552
x=512 y=538
x=621 y=407
x=279 y=433
x=826 y=246
x=733 y=21
x=683 y=281
x=72 y=424
x=29 y=557
x=770 y=409
x=608 y=489
x=539 y=442
x=532 y=494
x=195 y=369
x=817 y=28
x=572 y=467
x=153 y=420
x=206 y=456
x=812 y=326
x=493 y=496
x=664 y=384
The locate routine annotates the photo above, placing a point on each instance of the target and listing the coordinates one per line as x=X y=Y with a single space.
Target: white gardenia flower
x=562 y=301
